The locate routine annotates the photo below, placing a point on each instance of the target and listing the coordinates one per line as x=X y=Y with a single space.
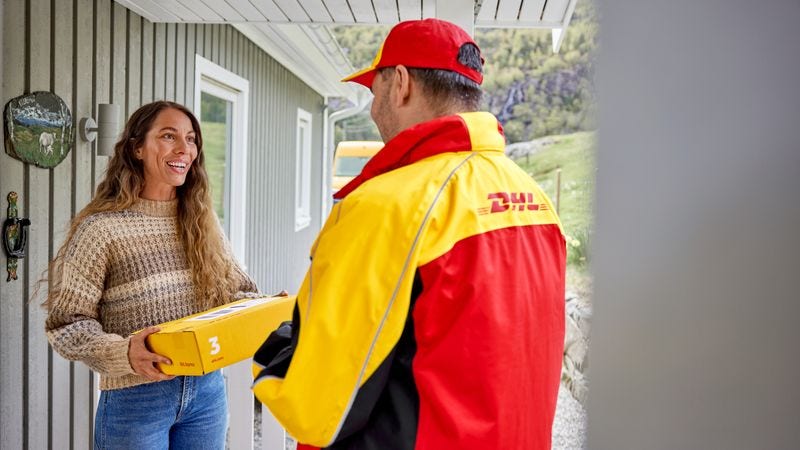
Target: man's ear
x=401 y=84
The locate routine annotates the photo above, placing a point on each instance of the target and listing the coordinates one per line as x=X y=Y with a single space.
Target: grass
x=574 y=155
x=214 y=149
x=27 y=145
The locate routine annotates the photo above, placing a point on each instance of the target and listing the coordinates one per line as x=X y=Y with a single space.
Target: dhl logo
x=514 y=201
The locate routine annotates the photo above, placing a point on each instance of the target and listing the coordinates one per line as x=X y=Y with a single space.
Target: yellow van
x=350 y=158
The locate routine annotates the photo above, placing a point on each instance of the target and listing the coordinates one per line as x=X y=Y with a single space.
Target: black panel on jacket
x=390 y=421
x=275 y=354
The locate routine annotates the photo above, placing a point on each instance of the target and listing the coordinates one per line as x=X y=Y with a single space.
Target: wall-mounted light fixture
x=106 y=129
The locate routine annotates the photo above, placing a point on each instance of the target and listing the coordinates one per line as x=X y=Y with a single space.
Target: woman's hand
x=143 y=361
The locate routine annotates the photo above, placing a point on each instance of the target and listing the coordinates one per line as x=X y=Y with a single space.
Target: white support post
x=273 y=436
x=240 y=403
x=460 y=12
x=558 y=33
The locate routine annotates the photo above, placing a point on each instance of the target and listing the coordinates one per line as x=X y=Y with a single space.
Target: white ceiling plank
x=246 y=9
x=531 y=10
x=428 y=9
x=488 y=10
x=386 y=10
x=555 y=11
x=362 y=11
x=200 y=8
x=460 y=12
x=302 y=50
x=184 y=13
x=225 y=10
x=316 y=10
x=150 y=10
x=508 y=10
x=340 y=11
x=516 y=24
x=410 y=9
x=270 y=10
x=293 y=10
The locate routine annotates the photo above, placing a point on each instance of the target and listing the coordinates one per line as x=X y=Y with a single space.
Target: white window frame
x=302 y=190
x=220 y=82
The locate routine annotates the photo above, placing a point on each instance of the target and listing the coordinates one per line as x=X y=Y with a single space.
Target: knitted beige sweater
x=122 y=271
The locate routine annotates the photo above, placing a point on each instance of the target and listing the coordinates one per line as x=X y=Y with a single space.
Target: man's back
x=479 y=359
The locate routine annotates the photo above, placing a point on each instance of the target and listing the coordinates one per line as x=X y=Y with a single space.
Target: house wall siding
x=96 y=51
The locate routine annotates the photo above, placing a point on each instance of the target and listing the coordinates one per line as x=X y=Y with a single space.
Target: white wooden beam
x=517 y=24
x=531 y=10
x=428 y=8
x=488 y=10
x=240 y=428
x=386 y=10
x=460 y=12
x=558 y=33
x=555 y=10
x=508 y=9
x=410 y=9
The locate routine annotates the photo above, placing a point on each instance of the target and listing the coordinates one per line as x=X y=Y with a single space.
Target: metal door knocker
x=15 y=236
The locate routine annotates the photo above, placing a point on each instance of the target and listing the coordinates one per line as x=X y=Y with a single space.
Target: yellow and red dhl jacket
x=432 y=316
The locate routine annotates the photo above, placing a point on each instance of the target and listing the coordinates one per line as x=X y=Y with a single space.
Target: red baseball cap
x=421 y=44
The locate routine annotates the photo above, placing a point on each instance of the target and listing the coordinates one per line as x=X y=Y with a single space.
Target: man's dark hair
x=446 y=88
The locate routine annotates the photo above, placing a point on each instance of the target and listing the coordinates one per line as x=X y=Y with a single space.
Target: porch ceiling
x=292 y=31
x=488 y=13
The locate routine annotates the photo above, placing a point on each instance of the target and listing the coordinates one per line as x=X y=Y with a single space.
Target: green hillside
x=573 y=155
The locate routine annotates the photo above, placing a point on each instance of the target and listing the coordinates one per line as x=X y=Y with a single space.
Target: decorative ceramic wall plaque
x=38 y=129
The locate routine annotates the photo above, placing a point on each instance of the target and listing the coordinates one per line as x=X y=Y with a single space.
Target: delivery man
x=432 y=315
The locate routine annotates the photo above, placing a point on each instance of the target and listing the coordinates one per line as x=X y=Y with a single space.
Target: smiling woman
x=147 y=249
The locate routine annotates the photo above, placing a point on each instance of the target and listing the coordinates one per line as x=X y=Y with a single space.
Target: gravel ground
x=569 y=426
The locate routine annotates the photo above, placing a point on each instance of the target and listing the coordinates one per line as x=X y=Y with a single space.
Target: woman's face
x=167 y=154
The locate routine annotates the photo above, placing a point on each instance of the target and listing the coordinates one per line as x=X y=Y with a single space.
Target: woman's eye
x=169 y=136
x=191 y=139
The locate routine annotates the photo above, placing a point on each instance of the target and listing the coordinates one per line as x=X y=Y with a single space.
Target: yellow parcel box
x=204 y=342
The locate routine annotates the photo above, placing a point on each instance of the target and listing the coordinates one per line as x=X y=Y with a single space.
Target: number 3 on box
x=214 y=345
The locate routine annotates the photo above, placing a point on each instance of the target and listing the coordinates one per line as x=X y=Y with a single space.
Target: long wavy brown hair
x=206 y=249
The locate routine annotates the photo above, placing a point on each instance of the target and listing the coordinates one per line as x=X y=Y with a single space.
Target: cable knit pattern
x=122 y=271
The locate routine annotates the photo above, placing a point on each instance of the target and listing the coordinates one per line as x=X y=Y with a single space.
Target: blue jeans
x=182 y=413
